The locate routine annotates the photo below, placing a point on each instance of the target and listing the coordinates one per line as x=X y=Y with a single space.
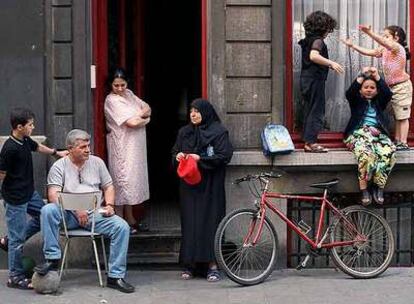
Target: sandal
x=142 y=227
x=366 y=199
x=19 y=282
x=378 y=195
x=400 y=146
x=213 y=275
x=132 y=230
x=138 y=227
x=187 y=274
x=4 y=243
x=314 y=148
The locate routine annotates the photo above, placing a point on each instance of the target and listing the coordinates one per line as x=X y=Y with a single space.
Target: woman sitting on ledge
x=366 y=134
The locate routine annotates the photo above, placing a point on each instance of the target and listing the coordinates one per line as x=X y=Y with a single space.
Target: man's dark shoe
x=119 y=284
x=49 y=265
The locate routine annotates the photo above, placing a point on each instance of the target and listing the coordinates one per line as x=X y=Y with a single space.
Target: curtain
x=348 y=14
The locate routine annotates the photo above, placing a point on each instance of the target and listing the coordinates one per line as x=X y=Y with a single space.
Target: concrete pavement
x=320 y=286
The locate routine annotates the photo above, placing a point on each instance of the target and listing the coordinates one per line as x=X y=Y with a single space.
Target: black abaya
x=203 y=205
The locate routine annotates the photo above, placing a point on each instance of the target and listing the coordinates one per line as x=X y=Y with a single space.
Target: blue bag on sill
x=276 y=140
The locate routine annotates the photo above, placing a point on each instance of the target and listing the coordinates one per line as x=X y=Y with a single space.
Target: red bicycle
x=360 y=241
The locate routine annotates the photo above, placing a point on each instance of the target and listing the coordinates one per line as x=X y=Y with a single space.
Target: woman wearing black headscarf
x=202 y=205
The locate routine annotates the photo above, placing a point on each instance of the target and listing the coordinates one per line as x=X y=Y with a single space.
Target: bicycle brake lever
x=239 y=180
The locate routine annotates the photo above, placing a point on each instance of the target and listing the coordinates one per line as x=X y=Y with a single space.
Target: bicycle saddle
x=325 y=185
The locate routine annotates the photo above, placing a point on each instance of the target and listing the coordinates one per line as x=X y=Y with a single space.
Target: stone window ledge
x=298 y=158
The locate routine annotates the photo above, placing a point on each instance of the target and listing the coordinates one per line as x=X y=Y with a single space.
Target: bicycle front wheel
x=371 y=255
x=244 y=262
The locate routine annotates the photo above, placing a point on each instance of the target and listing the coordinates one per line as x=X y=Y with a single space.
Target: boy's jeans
x=19 y=230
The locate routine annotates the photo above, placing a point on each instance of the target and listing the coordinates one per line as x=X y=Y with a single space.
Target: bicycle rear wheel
x=367 y=258
x=243 y=262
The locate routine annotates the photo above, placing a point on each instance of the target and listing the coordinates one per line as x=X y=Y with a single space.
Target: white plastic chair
x=82 y=201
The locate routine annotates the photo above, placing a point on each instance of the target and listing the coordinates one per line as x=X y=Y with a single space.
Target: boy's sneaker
x=4 y=243
x=402 y=146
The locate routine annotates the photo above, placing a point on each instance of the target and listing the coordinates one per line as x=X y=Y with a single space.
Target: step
x=150 y=248
x=157 y=234
x=154 y=247
x=149 y=258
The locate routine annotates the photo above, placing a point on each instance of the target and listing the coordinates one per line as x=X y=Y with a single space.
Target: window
x=349 y=14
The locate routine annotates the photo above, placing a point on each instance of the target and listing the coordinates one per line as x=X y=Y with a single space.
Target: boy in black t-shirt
x=16 y=171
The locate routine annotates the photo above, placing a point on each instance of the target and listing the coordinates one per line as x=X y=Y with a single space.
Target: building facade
x=240 y=54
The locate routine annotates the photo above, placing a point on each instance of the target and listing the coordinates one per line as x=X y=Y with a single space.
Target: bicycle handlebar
x=250 y=177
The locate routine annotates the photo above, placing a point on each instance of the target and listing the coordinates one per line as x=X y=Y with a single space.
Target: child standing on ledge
x=315 y=68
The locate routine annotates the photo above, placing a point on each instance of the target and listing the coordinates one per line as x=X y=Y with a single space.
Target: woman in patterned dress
x=367 y=136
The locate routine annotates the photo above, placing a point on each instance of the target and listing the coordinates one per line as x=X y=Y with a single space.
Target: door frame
x=100 y=58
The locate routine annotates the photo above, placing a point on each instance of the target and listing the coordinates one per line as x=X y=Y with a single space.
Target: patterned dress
x=127 y=148
x=367 y=134
x=375 y=153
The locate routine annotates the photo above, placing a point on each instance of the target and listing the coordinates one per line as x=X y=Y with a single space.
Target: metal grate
x=398 y=210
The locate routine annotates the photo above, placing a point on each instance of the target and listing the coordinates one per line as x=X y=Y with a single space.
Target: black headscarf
x=208 y=114
x=198 y=137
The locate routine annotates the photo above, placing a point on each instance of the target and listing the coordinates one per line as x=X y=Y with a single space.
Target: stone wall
x=246 y=66
x=68 y=68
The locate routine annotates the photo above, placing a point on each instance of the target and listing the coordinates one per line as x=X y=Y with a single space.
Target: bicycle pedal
x=303 y=264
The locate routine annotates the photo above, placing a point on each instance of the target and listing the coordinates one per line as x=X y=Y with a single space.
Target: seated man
x=81 y=172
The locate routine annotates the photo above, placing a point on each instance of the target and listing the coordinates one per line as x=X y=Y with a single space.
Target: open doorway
x=159 y=44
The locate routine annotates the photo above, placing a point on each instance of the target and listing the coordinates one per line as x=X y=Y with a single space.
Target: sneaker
x=366 y=198
x=4 y=243
x=49 y=265
x=378 y=195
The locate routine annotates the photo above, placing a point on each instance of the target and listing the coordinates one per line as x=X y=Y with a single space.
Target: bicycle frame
x=359 y=241
x=319 y=241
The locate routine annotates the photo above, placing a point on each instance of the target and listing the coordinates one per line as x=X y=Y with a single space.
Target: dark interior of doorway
x=171 y=78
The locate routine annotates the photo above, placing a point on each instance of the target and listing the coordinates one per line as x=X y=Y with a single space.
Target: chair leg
x=62 y=266
x=104 y=254
x=98 y=266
